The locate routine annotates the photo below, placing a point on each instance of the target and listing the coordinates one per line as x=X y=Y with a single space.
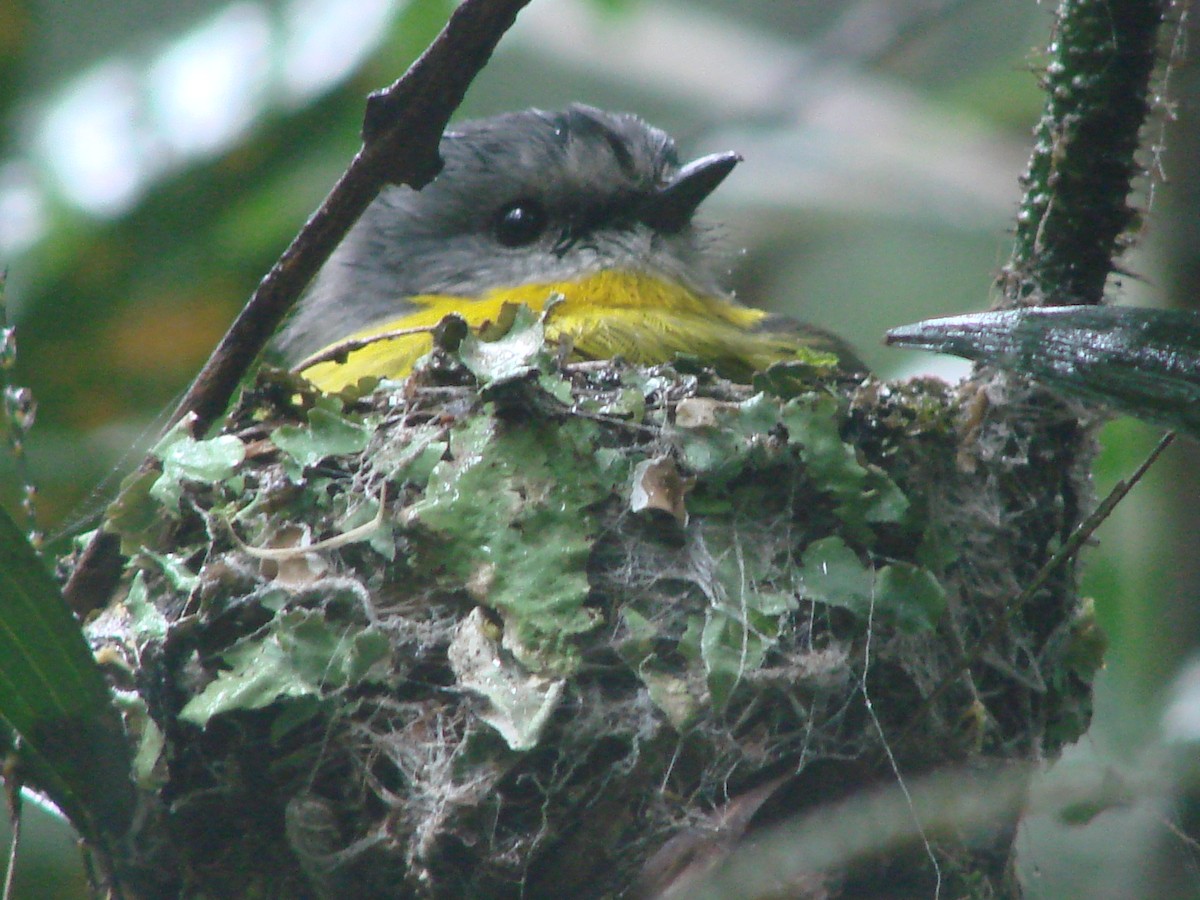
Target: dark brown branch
x=401 y=131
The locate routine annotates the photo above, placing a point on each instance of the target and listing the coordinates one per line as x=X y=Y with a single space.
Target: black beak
x=672 y=205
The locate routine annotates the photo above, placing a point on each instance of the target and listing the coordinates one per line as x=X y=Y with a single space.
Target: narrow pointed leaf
x=53 y=697
x=1141 y=362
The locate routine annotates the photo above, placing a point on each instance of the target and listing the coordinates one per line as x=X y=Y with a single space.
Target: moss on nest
x=509 y=627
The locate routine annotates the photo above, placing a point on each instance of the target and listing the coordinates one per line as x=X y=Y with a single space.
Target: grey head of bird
x=523 y=198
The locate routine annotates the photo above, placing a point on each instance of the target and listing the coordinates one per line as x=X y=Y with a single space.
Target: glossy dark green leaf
x=53 y=696
x=1141 y=362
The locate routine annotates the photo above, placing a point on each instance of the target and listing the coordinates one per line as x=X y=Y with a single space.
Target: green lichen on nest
x=507 y=626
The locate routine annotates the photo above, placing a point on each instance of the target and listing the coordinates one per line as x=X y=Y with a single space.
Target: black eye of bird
x=520 y=222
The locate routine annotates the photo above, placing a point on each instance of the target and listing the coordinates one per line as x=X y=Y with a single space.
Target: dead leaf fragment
x=658 y=485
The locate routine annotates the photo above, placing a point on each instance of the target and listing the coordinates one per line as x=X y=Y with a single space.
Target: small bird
x=588 y=207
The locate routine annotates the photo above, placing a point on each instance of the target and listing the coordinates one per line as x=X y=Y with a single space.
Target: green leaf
x=134 y=514
x=881 y=501
x=745 y=562
x=410 y=462
x=510 y=514
x=813 y=425
x=729 y=651
x=299 y=654
x=1141 y=362
x=912 y=596
x=637 y=638
x=146 y=768
x=691 y=639
x=185 y=458
x=674 y=697
x=328 y=433
x=53 y=696
x=518 y=353
x=909 y=597
x=515 y=702
x=178 y=575
x=145 y=619
x=865 y=494
x=794 y=377
x=834 y=575
x=726 y=436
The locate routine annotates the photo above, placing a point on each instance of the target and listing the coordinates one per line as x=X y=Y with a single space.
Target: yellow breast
x=642 y=318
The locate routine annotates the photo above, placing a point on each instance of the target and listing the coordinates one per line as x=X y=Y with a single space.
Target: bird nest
x=520 y=628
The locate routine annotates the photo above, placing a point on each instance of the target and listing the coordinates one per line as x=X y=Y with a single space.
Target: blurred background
x=156 y=158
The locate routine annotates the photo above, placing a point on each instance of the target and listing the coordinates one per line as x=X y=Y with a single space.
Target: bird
x=586 y=208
